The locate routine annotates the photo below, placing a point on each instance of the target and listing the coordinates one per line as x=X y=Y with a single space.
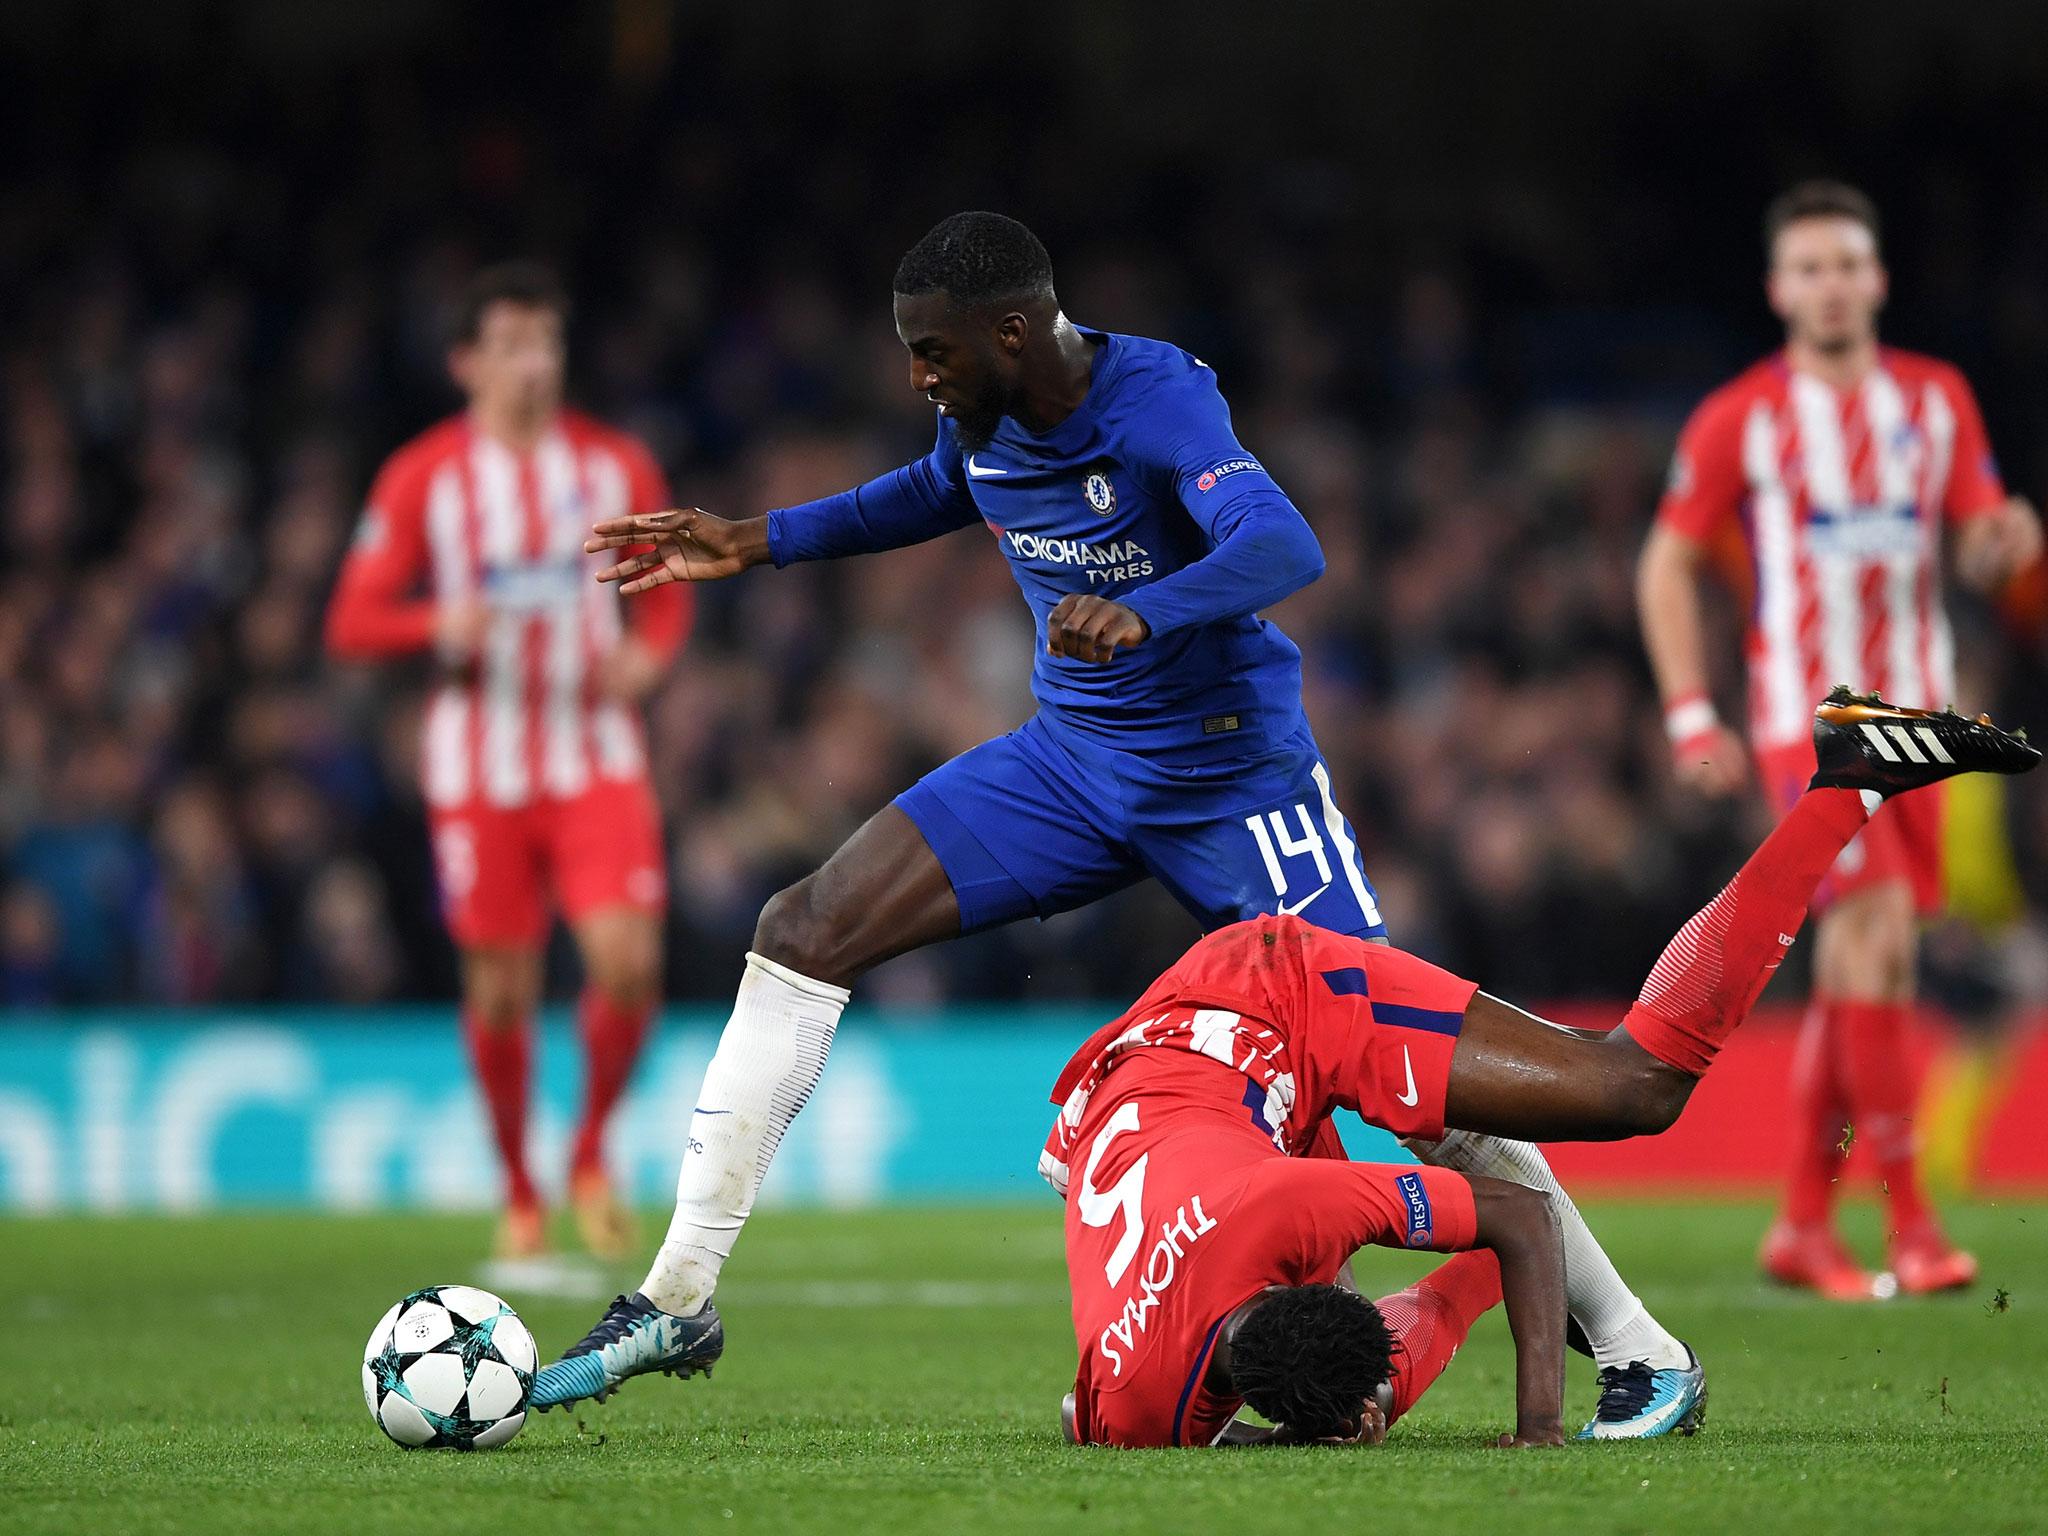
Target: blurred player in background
x=1841 y=465
x=534 y=768
x=1170 y=741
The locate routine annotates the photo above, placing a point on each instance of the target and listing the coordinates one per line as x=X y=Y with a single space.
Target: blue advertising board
x=361 y=1109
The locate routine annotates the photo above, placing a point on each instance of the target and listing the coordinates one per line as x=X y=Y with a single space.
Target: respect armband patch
x=1206 y=481
x=1421 y=1228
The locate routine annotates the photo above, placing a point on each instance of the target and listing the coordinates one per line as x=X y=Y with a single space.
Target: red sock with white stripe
x=1709 y=976
x=613 y=1034
x=503 y=1057
x=1431 y=1318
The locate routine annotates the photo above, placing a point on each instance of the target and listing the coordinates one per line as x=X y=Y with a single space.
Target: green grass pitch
x=900 y=1371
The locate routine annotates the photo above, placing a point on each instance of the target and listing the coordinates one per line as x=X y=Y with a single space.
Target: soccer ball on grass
x=449 y=1368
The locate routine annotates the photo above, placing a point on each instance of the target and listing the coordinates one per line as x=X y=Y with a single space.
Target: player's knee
x=1650 y=1097
x=625 y=965
x=498 y=989
x=1869 y=946
x=799 y=931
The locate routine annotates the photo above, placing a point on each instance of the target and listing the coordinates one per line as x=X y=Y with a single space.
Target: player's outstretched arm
x=1705 y=754
x=687 y=544
x=1521 y=1229
x=906 y=506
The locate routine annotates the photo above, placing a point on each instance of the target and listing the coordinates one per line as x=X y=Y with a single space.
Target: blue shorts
x=1038 y=822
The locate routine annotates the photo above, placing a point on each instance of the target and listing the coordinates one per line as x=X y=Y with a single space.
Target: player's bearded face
x=1827 y=283
x=980 y=411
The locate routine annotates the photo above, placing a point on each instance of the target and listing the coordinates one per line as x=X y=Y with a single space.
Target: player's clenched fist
x=687 y=544
x=1090 y=628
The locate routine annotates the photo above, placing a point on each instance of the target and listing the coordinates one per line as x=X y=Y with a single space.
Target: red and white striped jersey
x=1841 y=499
x=464 y=517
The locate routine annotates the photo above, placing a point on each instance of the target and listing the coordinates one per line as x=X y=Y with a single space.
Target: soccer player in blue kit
x=1169 y=742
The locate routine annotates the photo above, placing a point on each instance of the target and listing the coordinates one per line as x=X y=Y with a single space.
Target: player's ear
x=1012 y=331
x=1772 y=293
x=462 y=364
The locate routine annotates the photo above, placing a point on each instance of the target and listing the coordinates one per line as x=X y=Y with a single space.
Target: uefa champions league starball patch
x=1101 y=494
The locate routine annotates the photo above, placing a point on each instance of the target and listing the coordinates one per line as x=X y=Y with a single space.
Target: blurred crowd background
x=1462 y=273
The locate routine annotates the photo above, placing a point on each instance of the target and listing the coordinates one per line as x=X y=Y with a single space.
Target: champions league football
x=449 y=1368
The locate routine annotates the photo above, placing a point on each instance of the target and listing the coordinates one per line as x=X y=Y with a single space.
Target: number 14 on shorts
x=1277 y=841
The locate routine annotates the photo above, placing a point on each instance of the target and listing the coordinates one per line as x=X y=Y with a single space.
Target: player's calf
x=1514 y=1075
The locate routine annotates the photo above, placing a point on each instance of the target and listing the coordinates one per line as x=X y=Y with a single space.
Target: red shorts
x=1384 y=1053
x=1902 y=841
x=502 y=867
x=1369 y=1027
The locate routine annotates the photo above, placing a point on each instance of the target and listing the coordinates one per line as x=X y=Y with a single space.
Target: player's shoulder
x=1160 y=395
x=1145 y=358
x=1719 y=419
x=1915 y=370
x=1764 y=382
x=586 y=431
x=414 y=462
x=1149 y=373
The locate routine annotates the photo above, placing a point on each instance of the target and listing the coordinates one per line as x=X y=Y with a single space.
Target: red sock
x=612 y=1037
x=1820 y=1114
x=1431 y=1318
x=1880 y=1081
x=504 y=1066
x=1705 y=981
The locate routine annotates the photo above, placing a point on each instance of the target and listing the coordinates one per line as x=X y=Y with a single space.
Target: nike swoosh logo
x=978 y=472
x=1295 y=910
x=1411 y=1095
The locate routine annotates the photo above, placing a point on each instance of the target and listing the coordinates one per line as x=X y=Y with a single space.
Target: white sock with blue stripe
x=768 y=1060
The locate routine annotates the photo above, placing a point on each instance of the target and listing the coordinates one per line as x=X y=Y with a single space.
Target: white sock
x=1615 y=1321
x=767 y=1062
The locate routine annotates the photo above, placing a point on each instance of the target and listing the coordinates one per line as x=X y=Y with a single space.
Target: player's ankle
x=1641 y=1338
x=682 y=1279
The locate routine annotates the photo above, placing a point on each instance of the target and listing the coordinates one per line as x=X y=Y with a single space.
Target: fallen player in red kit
x=1203 y=1244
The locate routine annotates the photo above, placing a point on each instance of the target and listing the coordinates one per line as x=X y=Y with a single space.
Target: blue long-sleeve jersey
x=1144 y=495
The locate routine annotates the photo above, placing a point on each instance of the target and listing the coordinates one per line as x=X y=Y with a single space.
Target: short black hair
x=528 y=284
x=976 y=259
x=1309 y=1356
x=1817 y=200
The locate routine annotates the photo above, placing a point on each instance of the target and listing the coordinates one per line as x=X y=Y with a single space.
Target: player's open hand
x=687 y=544
x=1090 y=628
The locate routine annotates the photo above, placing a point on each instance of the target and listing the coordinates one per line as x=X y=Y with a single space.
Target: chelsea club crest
x=1101 y=494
